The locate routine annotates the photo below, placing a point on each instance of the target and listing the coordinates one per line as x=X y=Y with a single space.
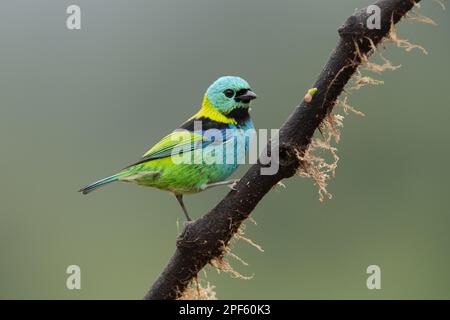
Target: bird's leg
x=180 y=201
x=230 y=183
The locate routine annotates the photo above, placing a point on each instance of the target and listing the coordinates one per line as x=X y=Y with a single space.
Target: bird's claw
x=232 y=185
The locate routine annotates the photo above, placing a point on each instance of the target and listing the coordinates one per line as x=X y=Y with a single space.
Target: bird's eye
x=228 y=93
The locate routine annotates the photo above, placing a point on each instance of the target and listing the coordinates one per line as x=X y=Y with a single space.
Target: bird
x=225 y=109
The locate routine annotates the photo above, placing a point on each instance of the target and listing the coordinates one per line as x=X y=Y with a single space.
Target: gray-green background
x=78 y=105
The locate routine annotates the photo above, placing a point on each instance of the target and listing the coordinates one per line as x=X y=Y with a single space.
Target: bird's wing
x=182 y=140
x=178 y=139
x=185 y=140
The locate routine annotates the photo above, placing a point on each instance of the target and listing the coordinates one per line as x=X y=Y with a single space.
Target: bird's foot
x=233 y=184
x=229 y=183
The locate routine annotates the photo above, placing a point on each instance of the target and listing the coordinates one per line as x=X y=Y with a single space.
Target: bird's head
x=230 y=93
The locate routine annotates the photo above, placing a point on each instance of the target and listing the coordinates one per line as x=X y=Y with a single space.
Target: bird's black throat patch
x=240 y=115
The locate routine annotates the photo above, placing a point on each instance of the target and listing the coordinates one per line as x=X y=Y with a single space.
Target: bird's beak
x=246 y=97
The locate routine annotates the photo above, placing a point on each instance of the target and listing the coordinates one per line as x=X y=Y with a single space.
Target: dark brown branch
x=205 y=238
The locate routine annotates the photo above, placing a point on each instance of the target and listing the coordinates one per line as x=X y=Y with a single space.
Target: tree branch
x=205 y=238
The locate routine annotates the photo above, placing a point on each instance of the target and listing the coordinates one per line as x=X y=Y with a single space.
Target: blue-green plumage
x=218 y=131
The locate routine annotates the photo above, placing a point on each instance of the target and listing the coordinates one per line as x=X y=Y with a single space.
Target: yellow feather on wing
x=175 y=139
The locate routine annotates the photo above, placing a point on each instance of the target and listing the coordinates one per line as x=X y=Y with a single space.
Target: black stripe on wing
x=207 y=124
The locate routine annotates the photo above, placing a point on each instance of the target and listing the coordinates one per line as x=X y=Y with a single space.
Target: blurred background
x=76 y=106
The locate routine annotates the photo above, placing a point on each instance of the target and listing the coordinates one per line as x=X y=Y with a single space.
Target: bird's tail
x=94 y=186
